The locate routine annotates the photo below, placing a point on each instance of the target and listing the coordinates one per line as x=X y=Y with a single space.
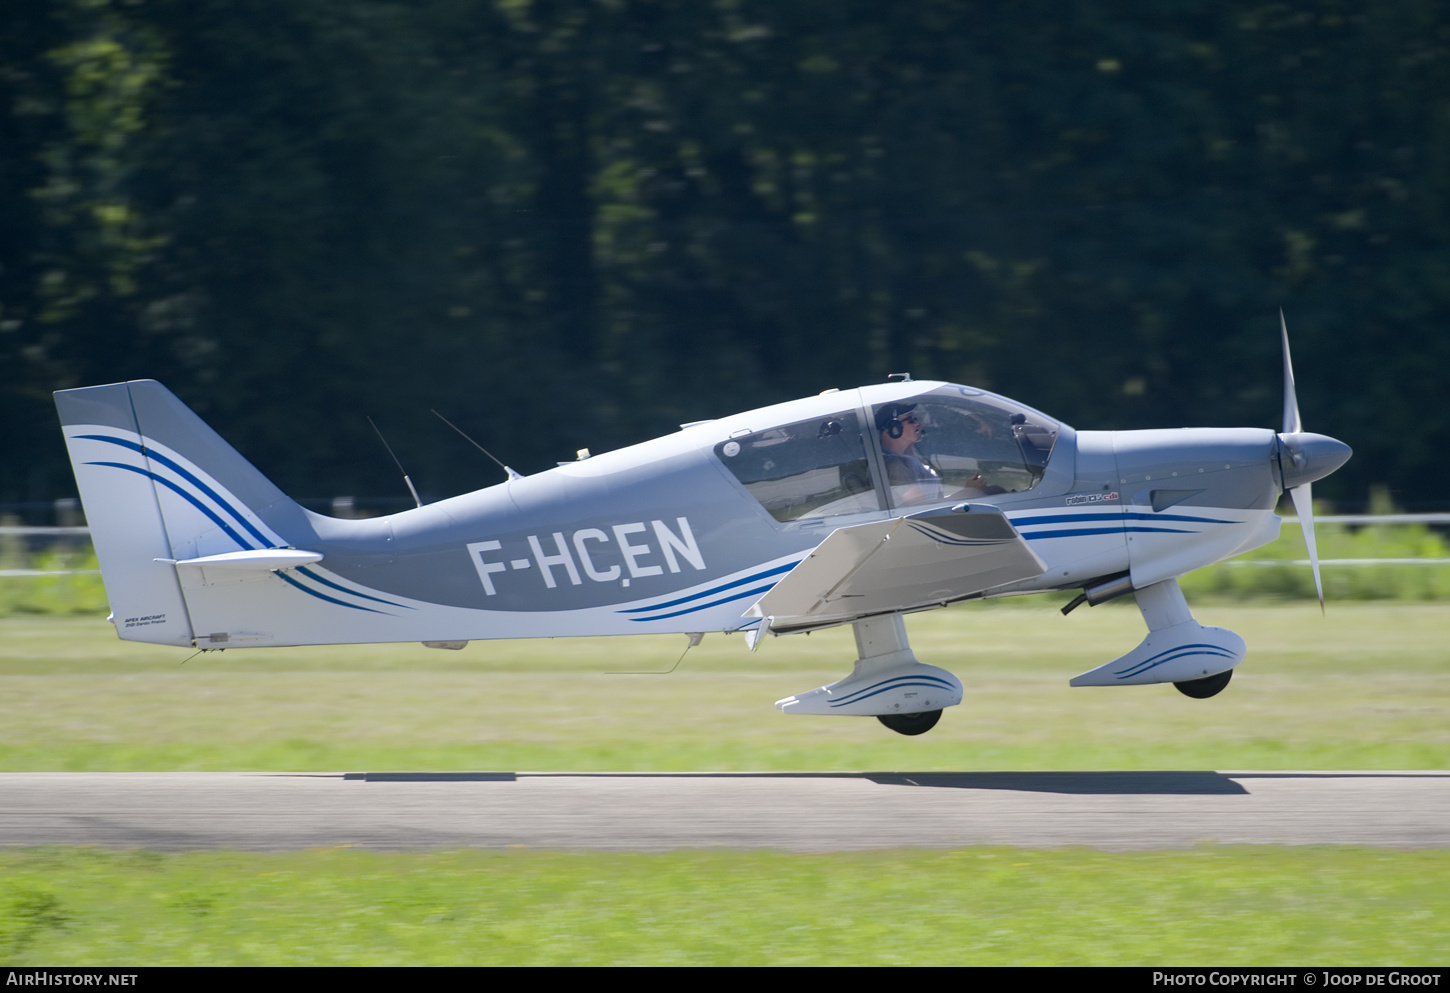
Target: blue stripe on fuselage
x=712 y=591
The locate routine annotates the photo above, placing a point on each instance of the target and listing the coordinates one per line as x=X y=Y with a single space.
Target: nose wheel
x=911 y=724
x=1202 y=689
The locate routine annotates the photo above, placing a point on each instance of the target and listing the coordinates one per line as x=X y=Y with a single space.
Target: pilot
x=910 y=478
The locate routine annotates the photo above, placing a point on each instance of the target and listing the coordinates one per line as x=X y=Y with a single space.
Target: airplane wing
x=921 y=560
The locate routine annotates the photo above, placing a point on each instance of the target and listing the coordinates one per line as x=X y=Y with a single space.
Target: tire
x=911 y=724
x=1202 y=689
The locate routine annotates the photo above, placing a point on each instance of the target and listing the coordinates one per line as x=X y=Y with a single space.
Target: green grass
x=74 y=587
x=1364 y=687
x=1214 y=906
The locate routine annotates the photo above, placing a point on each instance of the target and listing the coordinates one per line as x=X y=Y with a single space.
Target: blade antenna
x=511 y=473
x=695 y=638
x=398 y=464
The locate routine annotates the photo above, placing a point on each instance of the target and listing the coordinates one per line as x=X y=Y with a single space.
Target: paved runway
x=1121 y=811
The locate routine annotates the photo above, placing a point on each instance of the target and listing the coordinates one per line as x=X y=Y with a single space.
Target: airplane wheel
x=1202 y=689
x=911 y=723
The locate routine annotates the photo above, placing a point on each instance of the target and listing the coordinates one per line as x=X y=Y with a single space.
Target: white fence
x=26 y=533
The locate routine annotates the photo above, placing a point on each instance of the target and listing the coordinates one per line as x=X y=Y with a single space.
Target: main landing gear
x=887 y=683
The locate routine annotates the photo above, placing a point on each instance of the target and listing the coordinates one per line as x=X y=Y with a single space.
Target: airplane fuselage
x=663 y=537
x=682 y=533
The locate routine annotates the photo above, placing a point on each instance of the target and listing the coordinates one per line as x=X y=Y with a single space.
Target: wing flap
x=907 y=563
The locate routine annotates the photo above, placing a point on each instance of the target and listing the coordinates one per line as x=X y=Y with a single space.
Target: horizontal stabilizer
x=258 y=558
x=911 y=562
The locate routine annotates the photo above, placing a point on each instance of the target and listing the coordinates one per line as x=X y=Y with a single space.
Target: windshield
x=957 y=443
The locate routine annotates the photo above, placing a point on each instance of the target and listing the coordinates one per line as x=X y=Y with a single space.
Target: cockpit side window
x=956 y=443
x=814 y=468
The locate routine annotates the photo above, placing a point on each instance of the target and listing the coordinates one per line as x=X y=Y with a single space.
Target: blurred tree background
x=580 y=222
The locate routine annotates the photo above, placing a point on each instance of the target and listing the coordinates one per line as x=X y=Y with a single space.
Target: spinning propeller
x=1303 y=458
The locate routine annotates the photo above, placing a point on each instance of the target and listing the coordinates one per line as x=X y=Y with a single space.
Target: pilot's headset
x=886 y=418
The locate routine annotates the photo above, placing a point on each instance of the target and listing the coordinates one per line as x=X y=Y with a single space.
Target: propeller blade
x=1303 y=494
x=1303 y=498
x=1292 y=424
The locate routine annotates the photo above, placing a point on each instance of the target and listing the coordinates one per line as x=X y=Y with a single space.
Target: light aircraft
x=851 y=507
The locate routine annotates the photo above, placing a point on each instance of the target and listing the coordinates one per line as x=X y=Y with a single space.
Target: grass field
x=1364 y=687
x=1214 y=906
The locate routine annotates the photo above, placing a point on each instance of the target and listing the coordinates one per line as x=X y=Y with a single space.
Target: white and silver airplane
x=851 y=507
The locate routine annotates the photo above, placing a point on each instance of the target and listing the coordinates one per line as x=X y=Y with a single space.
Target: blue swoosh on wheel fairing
x=895 y=682
x=1184 y=650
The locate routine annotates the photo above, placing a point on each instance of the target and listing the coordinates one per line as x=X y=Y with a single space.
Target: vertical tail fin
x=159 y=486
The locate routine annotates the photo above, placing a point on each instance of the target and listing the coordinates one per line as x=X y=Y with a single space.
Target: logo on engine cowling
x=1078 y=499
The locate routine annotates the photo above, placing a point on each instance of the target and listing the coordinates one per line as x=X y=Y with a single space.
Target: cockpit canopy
x=945 y=444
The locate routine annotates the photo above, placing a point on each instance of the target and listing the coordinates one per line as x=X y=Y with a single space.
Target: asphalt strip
x=804 y=811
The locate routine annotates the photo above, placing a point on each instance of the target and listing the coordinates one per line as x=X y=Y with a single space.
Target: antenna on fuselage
x=397 y=463
x=512 y=474
x=695 y=638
